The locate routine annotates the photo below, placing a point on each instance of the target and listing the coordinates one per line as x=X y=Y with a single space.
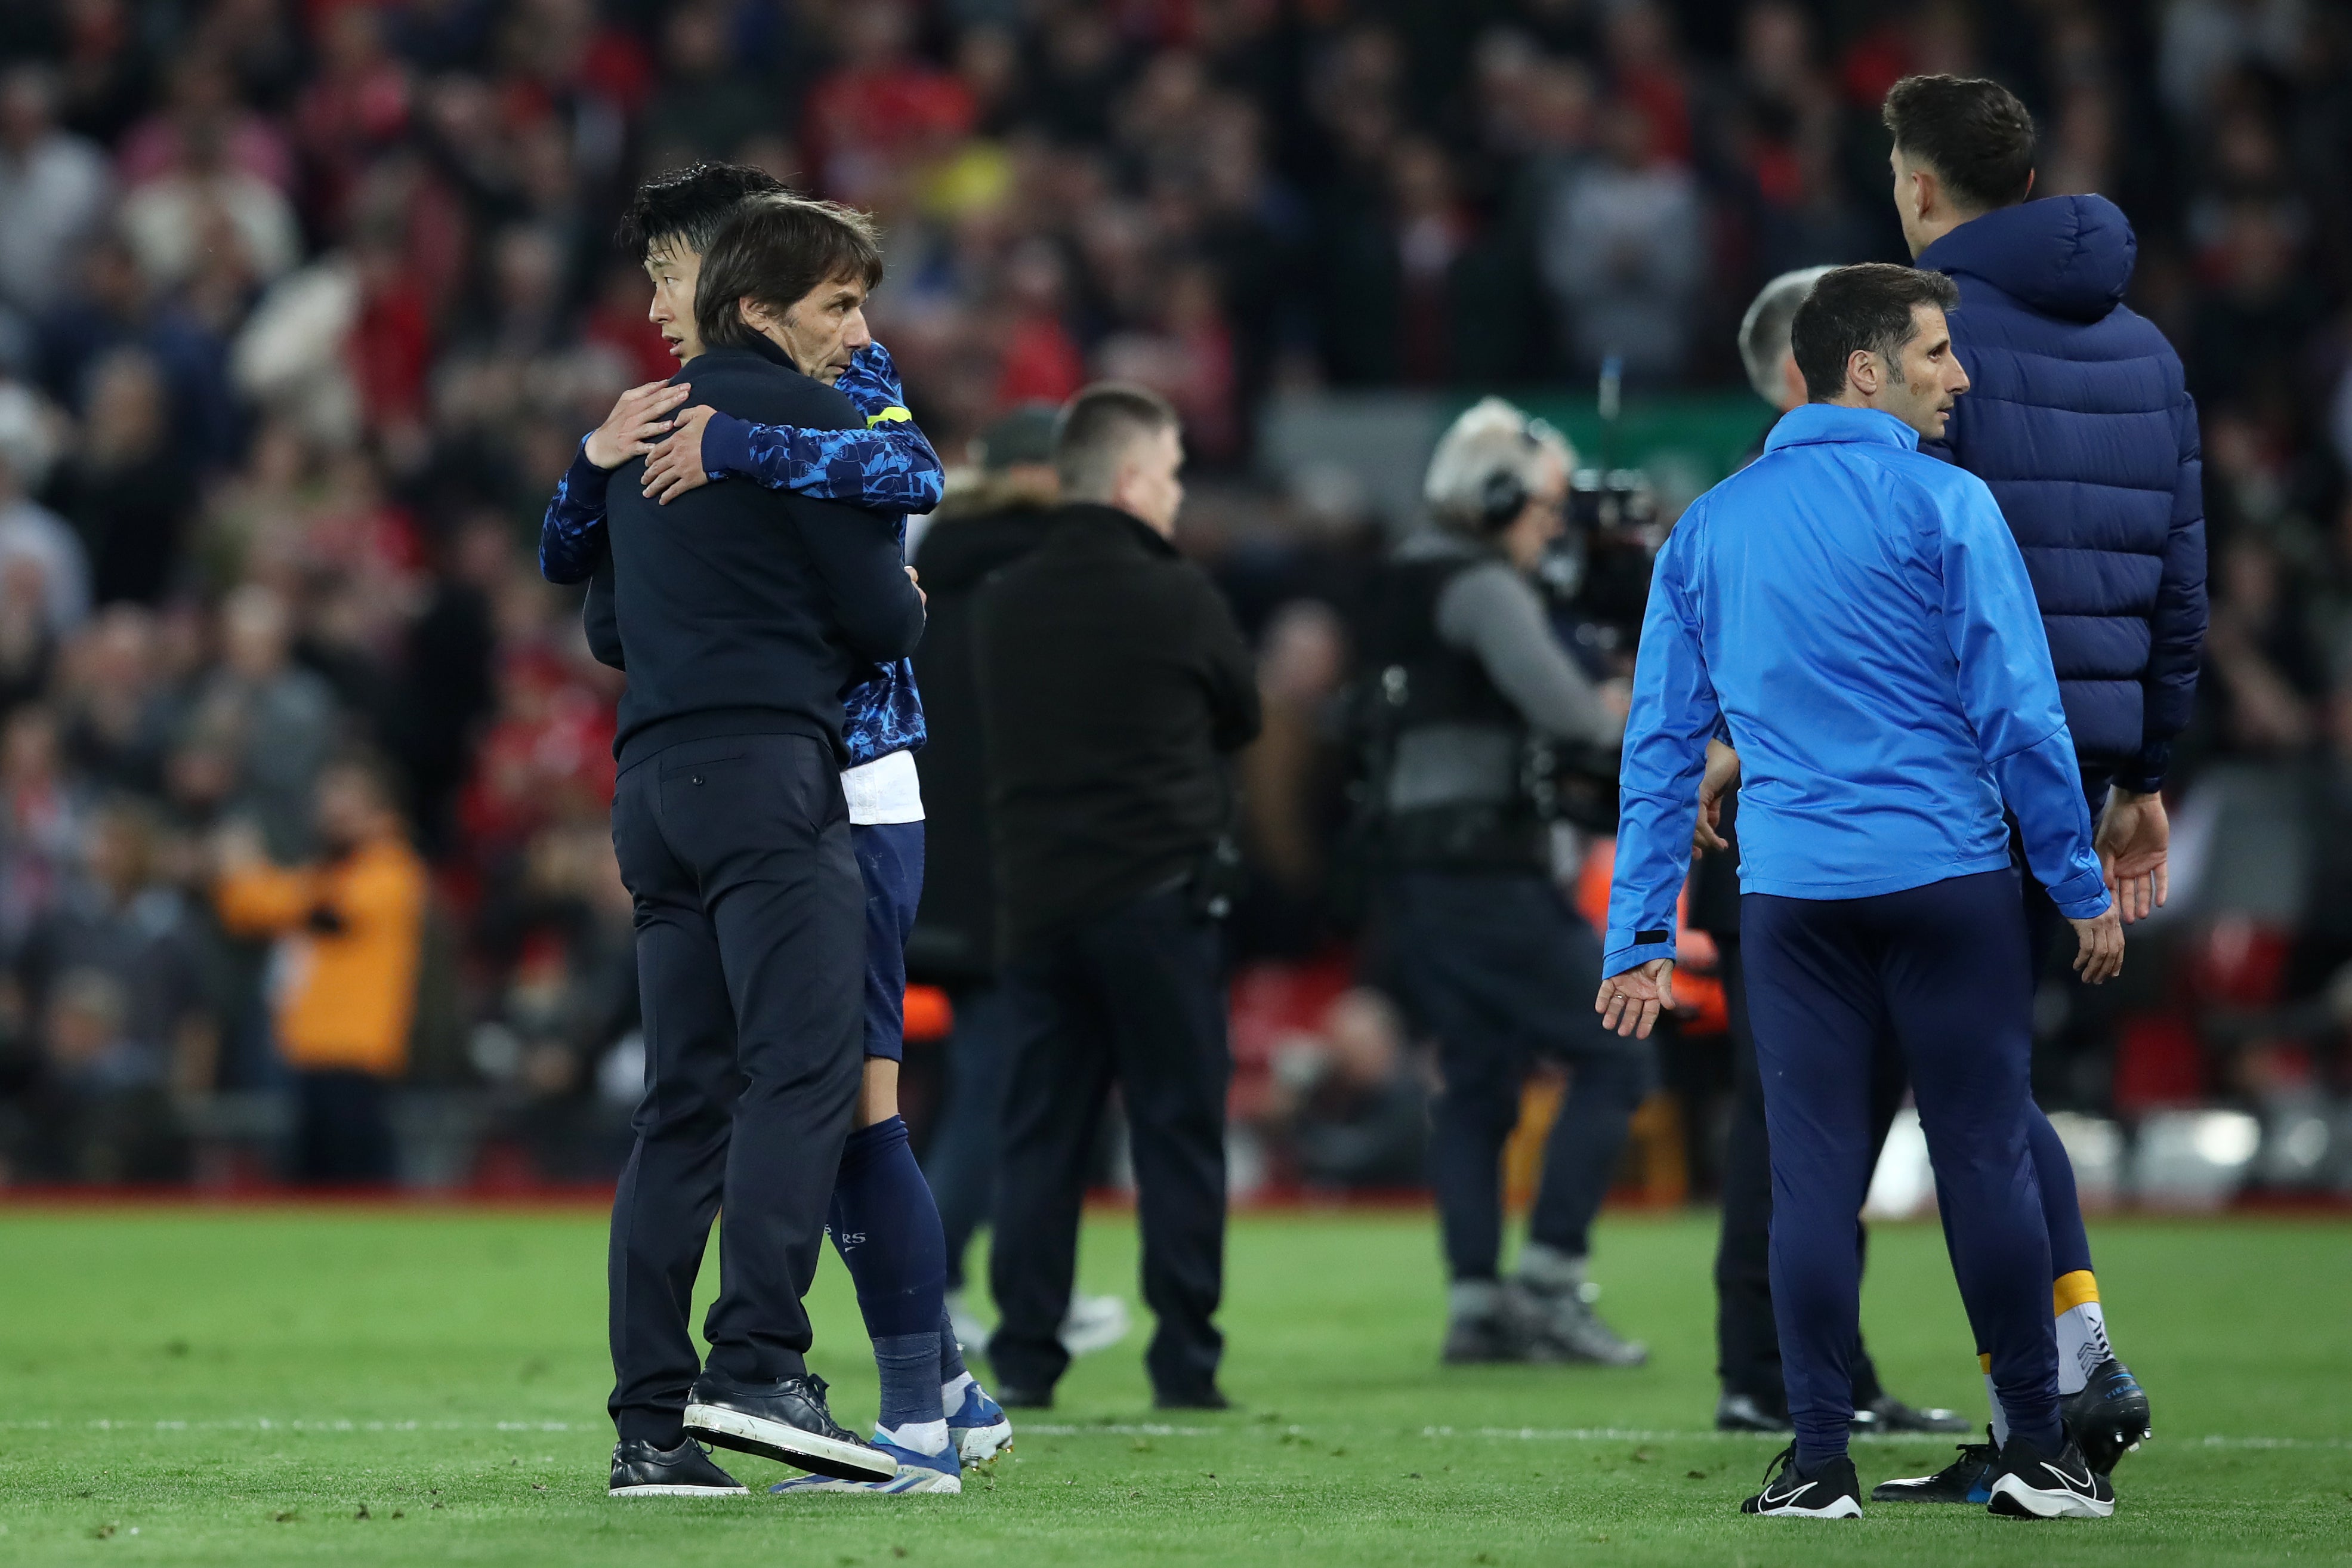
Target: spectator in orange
x=349 y=929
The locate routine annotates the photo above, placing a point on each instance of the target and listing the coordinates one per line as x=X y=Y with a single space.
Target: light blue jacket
x=1855 y=618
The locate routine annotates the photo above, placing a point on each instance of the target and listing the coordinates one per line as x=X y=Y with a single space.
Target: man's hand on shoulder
x=639 y=419
x=2133 y=842
x=676 y=466
x=1630 y=1002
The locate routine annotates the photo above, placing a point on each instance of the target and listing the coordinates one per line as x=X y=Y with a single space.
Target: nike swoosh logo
x=1802 y=1488
x=2083 y=1487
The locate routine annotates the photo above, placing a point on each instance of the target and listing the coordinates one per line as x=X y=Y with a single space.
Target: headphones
x=1505 y=493
x=1501 y=501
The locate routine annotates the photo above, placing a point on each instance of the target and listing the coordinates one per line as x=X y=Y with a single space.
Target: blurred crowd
x=303 y=307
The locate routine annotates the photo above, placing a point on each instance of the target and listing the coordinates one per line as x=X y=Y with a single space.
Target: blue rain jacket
x=1854 y=617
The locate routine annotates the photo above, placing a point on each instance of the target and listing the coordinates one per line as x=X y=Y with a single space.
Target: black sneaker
x=1968 y=1479
x=1888 y=1413
x=786 y=1421
x=1747 y=1413
x=640 y=1469
x=2108 y=1415
x=1013 y=1396
x=2031 y=1484
x=1832 y=1494
x=1210 y=1397
x=1474 y=1340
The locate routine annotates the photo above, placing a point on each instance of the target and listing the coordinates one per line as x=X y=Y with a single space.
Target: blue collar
x=1813 y=424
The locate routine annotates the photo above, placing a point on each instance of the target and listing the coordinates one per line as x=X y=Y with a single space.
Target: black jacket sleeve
x=856 y=553
x=598 y=617
x=1227 y=669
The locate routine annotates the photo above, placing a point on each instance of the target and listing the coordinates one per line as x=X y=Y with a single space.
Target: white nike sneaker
x=1093 y=1324
x=2033 y=1485
x=1832 y=1494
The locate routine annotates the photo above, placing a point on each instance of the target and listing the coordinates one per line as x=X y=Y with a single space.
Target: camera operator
x=1471 y=695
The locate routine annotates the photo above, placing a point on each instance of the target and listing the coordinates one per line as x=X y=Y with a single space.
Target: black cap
x=1025 y=436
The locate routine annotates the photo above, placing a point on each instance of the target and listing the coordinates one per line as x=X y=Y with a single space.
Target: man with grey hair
x=1764 y=338
x=1471 y=696
x=1113 y=687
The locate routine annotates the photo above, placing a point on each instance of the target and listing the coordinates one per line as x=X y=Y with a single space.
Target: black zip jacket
x=740 y=610
x=1112 y=683
x=954 y=937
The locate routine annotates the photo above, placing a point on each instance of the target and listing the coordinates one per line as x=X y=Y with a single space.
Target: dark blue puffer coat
x=2078 y=420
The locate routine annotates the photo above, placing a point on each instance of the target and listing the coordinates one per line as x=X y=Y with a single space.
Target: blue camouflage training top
x=889 y=466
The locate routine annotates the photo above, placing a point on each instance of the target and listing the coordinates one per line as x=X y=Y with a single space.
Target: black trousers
x=750 y=960
x=1134 y=998
x=342 y=1128
x=1747 y=1336
x=1501 y=969
x=962 y=1162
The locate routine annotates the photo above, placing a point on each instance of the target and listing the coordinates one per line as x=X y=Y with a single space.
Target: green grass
x=381 y=1387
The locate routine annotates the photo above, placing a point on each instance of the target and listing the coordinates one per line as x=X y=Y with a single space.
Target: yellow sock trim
x=2071 y=1290
x=1984 y=1363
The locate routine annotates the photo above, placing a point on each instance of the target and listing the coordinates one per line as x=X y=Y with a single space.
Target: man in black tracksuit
x=974 y=534
x=1113 y=682
x=741 y=614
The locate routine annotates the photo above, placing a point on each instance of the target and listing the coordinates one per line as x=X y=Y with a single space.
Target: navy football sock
x=886 y=1228
x=950 y=1352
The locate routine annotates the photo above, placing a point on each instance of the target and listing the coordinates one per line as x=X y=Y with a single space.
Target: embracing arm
x=887 y=466
x=875 y=602
x=572 y=533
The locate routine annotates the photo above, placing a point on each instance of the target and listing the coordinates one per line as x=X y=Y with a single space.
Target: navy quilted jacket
x=2079 y=422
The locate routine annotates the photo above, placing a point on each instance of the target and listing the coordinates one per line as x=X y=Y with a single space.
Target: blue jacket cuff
x=2081 y=897
x=726 y=445
x=1626 y=950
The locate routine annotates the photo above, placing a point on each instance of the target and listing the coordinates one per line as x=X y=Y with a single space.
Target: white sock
x=2000 y=1416
x=918 y=1437
x=951 y=1393
x=2082 y=1345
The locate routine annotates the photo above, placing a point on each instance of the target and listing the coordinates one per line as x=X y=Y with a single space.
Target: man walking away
x=742 y=614
x=2082 y=427
x=1858 y=620
x=1472 y=691
x=1113 y=685
x=1752 y=1397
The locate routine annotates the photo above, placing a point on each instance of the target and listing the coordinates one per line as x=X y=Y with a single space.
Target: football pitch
x=396 y=1386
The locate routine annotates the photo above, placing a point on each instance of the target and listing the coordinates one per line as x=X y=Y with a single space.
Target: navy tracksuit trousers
x=1945 y=968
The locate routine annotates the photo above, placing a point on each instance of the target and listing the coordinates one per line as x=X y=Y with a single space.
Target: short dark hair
x=1974 y=133
x=1865 y=307
x=773 y=250
x=687 y=207
x=1096 y=429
